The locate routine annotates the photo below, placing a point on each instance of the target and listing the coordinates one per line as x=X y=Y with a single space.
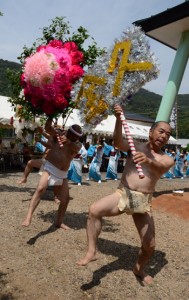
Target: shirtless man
x=55 y=171
x=134 y=195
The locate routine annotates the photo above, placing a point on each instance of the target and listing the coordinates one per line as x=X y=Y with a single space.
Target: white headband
x=75 y=132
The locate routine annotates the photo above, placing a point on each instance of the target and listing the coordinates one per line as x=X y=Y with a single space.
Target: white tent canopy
x=6 y=111
x=106 y=127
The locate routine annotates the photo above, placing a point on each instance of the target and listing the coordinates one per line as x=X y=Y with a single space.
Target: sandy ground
x=39 y=262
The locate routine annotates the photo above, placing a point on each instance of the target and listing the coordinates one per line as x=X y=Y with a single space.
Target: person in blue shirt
x=75 y=169
x=113 y=164
x=94 y=169
x=90 y=152
x=179 y=164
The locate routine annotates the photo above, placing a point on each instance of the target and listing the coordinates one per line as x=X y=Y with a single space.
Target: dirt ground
x=39 y=262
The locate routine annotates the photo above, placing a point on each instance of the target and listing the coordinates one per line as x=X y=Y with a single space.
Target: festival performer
x=134 y=194
x=90 y=152
x=187 y=163
x=113 y=163
x=94 y=169
x=179 y=164
x=63 y=150
x=170 y=173
x=106 y=154
x=75 y=170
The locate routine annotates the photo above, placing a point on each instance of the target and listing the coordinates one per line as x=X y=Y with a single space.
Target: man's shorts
x=56 y=175
x=133 y=202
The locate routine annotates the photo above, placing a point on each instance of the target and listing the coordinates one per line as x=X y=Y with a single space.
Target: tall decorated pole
x=131 y=143
x=114 y=78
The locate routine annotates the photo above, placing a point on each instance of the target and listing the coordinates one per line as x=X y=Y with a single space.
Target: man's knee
x=29 y=164
x=93 y=212
x=41 y=189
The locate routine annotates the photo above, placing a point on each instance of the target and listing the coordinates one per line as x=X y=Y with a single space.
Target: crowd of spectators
x=181 y=167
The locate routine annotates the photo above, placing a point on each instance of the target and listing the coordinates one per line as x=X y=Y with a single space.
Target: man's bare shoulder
x=168 y=158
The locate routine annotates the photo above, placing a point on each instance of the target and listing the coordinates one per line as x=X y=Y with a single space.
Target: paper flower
x=49 y=74
x=23 y=127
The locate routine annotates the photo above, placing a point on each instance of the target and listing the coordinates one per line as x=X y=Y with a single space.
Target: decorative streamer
x=115 y=77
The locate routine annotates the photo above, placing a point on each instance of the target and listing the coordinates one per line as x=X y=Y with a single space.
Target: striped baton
x=130 y=142
x=59 y=140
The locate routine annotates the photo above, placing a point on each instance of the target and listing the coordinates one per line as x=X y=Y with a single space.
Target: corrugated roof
x=167 y=26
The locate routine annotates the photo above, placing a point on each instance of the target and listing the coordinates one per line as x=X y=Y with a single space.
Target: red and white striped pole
x=59 y=140
x=130 y=142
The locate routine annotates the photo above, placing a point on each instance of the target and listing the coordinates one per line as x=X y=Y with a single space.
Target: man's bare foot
x=26 y=223
x=145 y=278
x=56 y=200
x=23 y=180
x=62 y=226
x=87 y=259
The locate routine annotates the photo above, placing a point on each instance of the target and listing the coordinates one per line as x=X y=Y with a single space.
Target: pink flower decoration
x=48 y=109
x=77 y=57
x=61 y=102
x=61 y=77
x=70 y=46
x=49 y=92
x=36 y=102
x=22 y=80
x=49 y=74
x=56 y=43
x=75 y=73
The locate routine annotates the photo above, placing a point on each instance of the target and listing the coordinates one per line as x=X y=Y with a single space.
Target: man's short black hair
x=155 y=124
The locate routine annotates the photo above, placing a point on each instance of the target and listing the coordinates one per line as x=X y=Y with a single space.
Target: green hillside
x=147 y=103
x=4 y=82
x=144 y=102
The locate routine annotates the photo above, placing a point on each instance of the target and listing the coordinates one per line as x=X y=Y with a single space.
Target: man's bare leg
x=33 y=163
x=26 y=173
x=146 y=229
x=106 y=206
x=56 y=191
x=94 y=226
x=42 y=186
x=62 y=194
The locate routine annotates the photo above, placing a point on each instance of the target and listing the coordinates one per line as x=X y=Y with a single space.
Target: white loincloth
x=56 y=175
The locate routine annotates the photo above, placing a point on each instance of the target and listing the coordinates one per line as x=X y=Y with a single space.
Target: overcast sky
x=105 y=20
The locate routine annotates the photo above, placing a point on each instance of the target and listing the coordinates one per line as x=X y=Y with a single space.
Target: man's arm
x=41 y=130
x=162 y=165
x=119 y=142
x=49 y=128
